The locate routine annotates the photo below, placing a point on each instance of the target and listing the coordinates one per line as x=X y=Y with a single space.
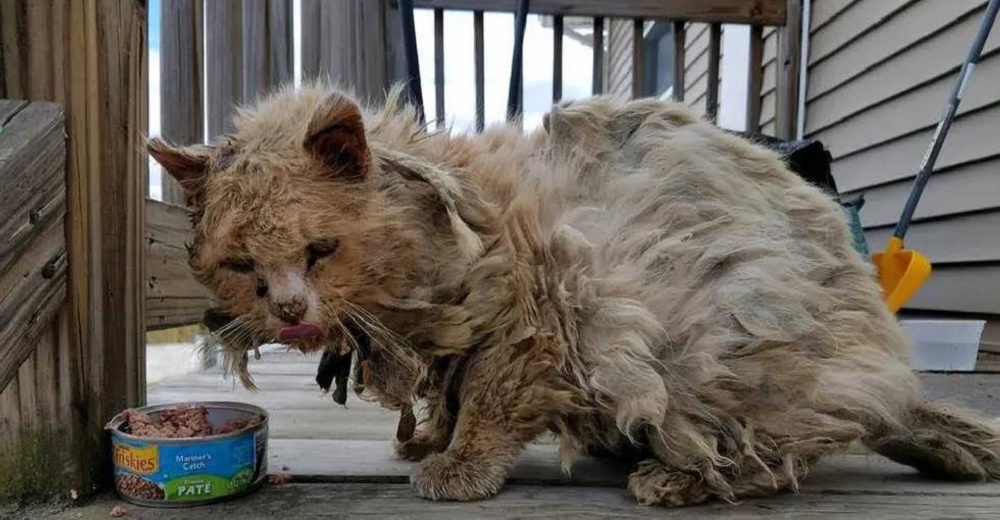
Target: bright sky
x=460 y=93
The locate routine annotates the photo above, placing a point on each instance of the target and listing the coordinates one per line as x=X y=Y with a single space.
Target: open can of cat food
x=188 y=454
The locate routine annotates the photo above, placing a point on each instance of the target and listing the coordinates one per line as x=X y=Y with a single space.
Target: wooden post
x=598 y=80
x=181 y=64
x=439 y=67
x=756 y=74
x=714 y=57
x=480 y=58
x=90 y=57
x=680 y=34
x=789 y=48
x=515 y=91
x=557 y=58
x=638 y=59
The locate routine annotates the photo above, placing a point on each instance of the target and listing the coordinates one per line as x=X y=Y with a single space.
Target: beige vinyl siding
x=619 y=67
x=825 y=11
x=879 y=74
x=696 y=66
x=769 y=82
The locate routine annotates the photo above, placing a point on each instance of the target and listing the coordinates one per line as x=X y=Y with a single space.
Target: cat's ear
x=187 y=165
x=336 y=136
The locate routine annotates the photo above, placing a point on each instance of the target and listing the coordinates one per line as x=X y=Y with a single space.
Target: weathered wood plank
x=9 y=107
x=224 y=63
x=173 y=296
x=346 y=42
x=759 y=12
x=122 y=94
x=311 y=11
x=300 y=500
x=267 y=46
x=789 y=42
x=372 y=461
x=256 y=46
x=32 y=206
x=31 y=293
x=32 y=176
x=182 y=106
x=91 y=58
x=539 y=464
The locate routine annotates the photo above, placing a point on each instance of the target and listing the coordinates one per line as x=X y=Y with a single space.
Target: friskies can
x=185 y=472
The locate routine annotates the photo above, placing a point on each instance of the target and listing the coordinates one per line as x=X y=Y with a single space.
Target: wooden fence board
x=345 y=41
x=182 y=106
x=173 y=297
x=267 y=46
x=224 y=57
x=32 y=206
x=91 y=58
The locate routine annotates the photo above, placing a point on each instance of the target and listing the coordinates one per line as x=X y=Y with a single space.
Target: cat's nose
x=289 y=310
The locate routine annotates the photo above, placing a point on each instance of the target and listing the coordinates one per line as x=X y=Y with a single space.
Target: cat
x=629 y=276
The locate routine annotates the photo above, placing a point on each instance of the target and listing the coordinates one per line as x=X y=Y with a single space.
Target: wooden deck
x=340 y=460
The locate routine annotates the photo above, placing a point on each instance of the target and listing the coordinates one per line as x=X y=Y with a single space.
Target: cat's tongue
x=299 y=332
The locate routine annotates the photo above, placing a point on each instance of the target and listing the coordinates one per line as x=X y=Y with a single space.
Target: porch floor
x=341 y=465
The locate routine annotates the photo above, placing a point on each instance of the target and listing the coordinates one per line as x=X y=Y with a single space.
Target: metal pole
x=927 y=165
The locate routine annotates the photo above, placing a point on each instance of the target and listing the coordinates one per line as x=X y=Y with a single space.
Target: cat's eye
x=320 y=249
x=239 y=265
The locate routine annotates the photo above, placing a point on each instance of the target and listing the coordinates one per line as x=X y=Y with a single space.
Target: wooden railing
x=782 y=13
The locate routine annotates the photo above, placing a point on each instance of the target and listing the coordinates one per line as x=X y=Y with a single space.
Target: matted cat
x=630 y=277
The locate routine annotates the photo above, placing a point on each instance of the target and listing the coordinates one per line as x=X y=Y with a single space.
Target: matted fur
x=630 y=277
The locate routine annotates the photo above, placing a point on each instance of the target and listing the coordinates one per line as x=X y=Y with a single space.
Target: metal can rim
x=114 y=425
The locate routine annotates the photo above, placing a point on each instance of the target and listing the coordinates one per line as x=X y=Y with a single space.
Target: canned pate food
x=188 y=454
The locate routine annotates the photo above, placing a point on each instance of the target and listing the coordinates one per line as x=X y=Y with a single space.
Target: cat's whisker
x=391 y=345
x=376 y=322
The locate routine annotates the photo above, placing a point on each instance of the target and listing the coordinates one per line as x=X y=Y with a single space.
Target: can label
x=194 y=471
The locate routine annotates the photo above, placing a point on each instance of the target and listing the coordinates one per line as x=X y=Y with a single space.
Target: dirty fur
x=629 y=277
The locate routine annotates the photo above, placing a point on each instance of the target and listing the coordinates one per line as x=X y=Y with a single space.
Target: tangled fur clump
x=631 y=277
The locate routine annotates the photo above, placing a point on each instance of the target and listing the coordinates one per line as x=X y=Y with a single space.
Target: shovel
x=902 y=271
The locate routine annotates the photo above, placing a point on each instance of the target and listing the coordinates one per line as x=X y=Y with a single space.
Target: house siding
x=618 y=78
x=696 y=66
x=880 y=72
x=769 y=82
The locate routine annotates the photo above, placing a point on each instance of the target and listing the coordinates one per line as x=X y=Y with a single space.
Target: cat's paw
x=442 y=476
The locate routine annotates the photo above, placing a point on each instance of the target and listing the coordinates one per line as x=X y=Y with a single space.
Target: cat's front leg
x=432 y=436
x=504 y=405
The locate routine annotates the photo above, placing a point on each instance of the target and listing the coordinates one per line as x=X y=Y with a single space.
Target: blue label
x=195 y=471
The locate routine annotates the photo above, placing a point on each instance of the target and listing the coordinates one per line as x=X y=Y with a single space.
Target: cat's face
x=285 y=235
